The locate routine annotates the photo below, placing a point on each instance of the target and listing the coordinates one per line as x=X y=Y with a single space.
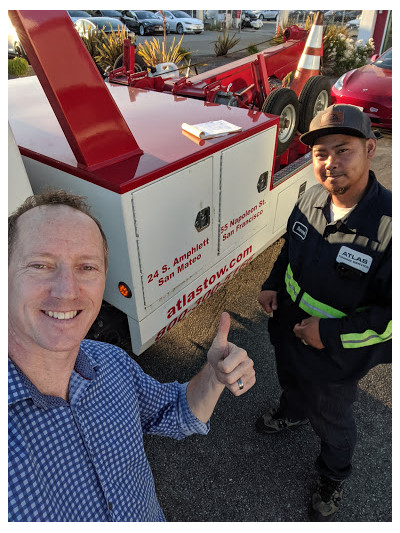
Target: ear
x=371 y=148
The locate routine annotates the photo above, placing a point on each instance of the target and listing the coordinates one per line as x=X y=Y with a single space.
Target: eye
x=88 y=268
x=38 y=266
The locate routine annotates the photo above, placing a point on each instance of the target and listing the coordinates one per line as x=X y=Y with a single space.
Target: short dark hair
x=52 y=197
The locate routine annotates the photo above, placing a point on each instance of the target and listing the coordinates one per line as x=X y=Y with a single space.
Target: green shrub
x=214 y=25
x=224 y=43
x=153 y=52
x=252 y=49
x=105 y=48
x=109 y=48
x=186 y=52
x=341 y=52
x=18 y=66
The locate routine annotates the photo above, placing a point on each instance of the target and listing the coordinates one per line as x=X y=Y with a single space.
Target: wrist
x=211 y=376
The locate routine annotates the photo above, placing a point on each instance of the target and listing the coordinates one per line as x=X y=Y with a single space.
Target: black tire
x=314 y=97
x=284 y=103
x=197 y=32
x=140 y=65
x=179 y=29
x=141 y=30
x=261 y=17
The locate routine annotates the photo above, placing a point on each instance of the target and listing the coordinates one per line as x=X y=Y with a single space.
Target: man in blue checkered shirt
x=78 y=409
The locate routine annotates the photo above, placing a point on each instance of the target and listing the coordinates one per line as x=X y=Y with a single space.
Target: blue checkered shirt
x=84 y=460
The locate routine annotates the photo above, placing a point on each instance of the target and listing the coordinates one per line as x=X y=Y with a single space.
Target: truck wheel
x=314 y=97
x=179 y=29
x=283 y=102
x=140 y=65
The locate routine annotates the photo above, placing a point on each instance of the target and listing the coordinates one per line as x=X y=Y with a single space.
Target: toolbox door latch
x=202 y=219
x=262 y=182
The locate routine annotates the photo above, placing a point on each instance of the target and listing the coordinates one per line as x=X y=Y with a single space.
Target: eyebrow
x=317 y=147
x=46 y=255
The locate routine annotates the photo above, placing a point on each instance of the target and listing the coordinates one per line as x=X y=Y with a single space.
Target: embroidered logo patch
x=300 y=229
x=354 y=259
x=332 y=118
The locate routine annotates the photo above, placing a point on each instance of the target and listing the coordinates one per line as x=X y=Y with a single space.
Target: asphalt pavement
x=236 y=475
x=202 y=44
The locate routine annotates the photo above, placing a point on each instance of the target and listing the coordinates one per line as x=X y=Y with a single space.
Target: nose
x=330 y=162
x=65 y=283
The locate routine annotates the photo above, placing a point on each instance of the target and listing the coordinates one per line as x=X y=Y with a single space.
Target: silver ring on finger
x=240 y=384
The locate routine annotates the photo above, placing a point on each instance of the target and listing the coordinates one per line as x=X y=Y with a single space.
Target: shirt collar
x=352 y=219
x=21 y=388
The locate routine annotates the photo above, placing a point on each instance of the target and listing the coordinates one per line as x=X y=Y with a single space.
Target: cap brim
x=310 y=137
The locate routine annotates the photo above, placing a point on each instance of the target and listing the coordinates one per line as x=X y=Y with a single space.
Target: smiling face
x=341 y=165
x=56 y=280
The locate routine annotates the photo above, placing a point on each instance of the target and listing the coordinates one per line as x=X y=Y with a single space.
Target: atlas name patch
x=354 y=259
x=300 y=229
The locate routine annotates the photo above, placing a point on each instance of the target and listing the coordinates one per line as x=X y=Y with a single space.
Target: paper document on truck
x=214 y=128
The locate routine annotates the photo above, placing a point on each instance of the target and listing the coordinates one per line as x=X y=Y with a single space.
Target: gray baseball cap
x=339 y=118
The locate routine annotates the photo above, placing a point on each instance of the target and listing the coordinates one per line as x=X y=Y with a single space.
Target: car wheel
x=179 y=29
x=140 y=65
x=284 y=103
x=141 y=30
x=314 y=97
x=261 y=17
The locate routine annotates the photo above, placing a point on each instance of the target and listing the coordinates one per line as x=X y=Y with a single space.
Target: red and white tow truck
x=182 y=215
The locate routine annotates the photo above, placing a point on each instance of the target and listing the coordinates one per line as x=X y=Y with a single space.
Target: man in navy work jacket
x=78 y=409
x=329 y=294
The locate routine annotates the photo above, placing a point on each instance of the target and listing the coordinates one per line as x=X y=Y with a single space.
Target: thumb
x=221 y=338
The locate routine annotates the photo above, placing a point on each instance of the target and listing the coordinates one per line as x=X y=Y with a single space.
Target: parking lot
x=203 y=44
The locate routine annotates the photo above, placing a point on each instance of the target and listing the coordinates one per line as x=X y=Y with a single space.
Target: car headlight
x=339 y=84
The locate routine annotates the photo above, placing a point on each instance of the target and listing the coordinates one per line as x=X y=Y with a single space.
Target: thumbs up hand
x=231 y=364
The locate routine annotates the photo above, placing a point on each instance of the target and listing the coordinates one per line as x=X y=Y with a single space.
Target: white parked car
x=180 y=22
x=266 y=14
x=353 y=24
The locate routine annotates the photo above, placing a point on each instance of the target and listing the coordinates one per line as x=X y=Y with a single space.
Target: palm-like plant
x=154 y=53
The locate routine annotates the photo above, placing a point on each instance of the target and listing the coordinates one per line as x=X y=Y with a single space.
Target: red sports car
x=369 y=87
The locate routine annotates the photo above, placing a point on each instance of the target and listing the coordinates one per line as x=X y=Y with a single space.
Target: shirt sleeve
x=164 y=409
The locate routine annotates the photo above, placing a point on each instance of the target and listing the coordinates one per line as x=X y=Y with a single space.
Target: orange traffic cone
x=310 y=59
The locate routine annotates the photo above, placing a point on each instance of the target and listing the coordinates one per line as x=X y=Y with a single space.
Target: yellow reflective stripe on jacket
x=292 y=286
x=368 y=338
x=315 y=308
x=309 y=304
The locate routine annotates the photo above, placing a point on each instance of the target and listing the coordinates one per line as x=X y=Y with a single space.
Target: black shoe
x=272 y=421
x=326 y=499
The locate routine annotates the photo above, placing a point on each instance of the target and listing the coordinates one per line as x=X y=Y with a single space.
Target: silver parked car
x=180 y=22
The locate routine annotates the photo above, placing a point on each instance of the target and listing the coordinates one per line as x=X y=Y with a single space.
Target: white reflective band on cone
x=309 y=63
x=315 y=38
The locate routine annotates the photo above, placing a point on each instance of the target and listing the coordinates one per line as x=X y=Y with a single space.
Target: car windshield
x=181 y=15
x=145 y=15
x=111 y=13
x=385 y=60
x=108 y=24
x=73 y=13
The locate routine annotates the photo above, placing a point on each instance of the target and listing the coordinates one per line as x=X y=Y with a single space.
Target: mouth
x=332 y=176
x=61 y=315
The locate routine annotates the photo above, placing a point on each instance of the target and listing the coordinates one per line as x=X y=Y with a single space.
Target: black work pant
x=329 y=407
